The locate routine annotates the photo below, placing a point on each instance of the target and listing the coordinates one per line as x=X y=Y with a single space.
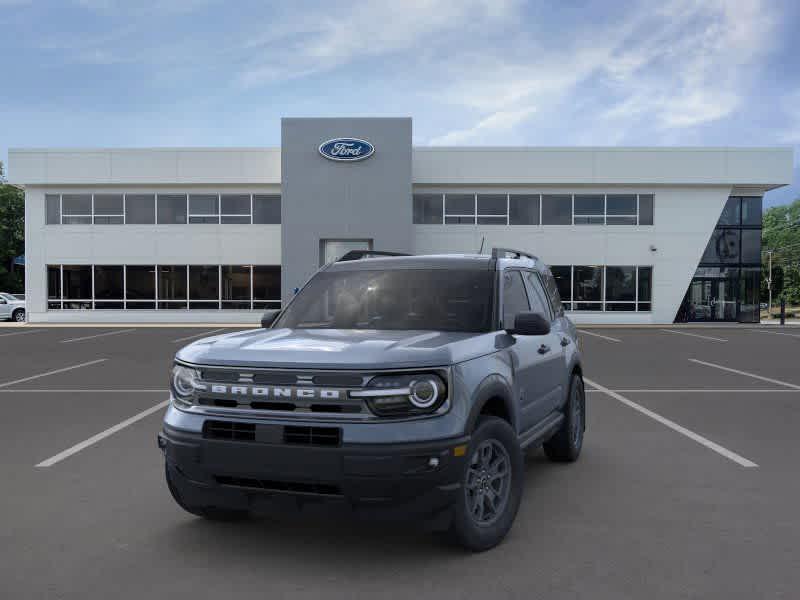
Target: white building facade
x=633 y=235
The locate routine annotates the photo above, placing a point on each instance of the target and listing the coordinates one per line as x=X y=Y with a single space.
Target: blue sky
x=470 y=72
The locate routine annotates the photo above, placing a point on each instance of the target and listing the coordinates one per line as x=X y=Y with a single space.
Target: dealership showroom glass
x=633 y=235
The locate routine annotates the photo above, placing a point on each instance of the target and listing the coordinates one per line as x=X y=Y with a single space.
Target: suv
x=12 y=308
x=391 y=385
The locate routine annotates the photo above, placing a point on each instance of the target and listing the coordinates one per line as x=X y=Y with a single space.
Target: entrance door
x=711 y=300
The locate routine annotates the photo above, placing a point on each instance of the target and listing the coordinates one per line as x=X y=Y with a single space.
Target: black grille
x=312 y=436
x=339 y=380
x=229 y=430
x=292 y=487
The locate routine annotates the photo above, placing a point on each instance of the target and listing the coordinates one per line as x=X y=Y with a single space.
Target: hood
x=337 y=348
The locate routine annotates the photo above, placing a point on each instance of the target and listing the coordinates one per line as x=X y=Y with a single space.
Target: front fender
x=493 y=386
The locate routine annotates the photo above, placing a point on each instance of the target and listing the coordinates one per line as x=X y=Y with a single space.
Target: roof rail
x=502 y=252
x=359 y=254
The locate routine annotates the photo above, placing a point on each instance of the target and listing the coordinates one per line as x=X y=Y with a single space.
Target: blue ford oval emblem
x=346 y=149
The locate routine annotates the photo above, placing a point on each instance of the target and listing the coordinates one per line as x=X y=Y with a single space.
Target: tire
x=212 y=513
x=19 y=315
x=566 y=444
x=485 y=508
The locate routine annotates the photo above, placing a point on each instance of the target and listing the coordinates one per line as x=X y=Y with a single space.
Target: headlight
x=406 y=394
x=184 y=381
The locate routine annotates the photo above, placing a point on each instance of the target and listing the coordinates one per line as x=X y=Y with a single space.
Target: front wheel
x=491 y=486
x=566 y=444
x=19 y=315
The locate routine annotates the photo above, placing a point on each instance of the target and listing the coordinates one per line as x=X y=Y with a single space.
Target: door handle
x=565 y=341
x=544 y=349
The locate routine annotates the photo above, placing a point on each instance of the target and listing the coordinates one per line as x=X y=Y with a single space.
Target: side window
x=538 y=298
x=552 y=291
x=515 y=300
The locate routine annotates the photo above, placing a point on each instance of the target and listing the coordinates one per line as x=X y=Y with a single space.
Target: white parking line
x=22 y=332
x=746 y=374
x=697 y=335
x=795 y=335
x=698 y=391
x=91 y=337
x=738 y=459
x=191 y=337
x=164 y=391
x=605 y=337
x=24 y=379
x=100 y=436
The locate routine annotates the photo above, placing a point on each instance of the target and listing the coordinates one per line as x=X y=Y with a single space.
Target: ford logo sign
x=346 y=149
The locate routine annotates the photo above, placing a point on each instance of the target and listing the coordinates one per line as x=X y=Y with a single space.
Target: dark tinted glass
x=723 y=247
x=77 y=282
x=492 y=204
x=140 y=282
x=731 y=213
x=108 y=282
x=588 y=284
x=53 y=282
x=266 y=282
x=645 y=285
x=536 y=296
x=203 y=204
x=76 y=204
x=235 y=204
x=589 y=204
x=203 y=282
x=621 y=204
x=267 y=209
x=459 y=204
x=108 y=204
x=53 y=209
x=556 y=209
x=646 y=209
x=428 y=209
x=523 y=209
x=751 y=245
x=751 y=211
x=394 y=299
x=620 y=283
x=172 y=282
x=140 y=209
x=171 y=209
x=562 y=276
x=236 y=283
x=515 y=299
x=749 y=294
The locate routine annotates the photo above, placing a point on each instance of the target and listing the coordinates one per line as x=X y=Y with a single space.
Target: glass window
x=645 y=286
x=523 y=209
x=203 y=286
x=646 y=209
x=172 y=286
x=203 y=208
x=428 y=209
x=750 y=294
x=751 y=211
x=171 y=209
x=557 y=209
x=515 y=299
x=76 y=209
x=723 y=247
x=587 y=287
x=267 y=209
x=236 y=287
x=53 y=209
x=562 y=280
x=235 y=208
x=266 y=286
x=77 y=283
x=331 y=250
x=53 y=282
x=108 y=209
x=589 y=209
x=140 y=282
x=536 y=296
x=492 y=209
x=459 y=209
x=751 y=246
x=621 y=204
x=731 y=212
x=621 y=284
x=108 y=282
x=140 y=209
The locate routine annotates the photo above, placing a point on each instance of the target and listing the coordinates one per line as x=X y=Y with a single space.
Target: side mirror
x=530 y=323
x=268 y=318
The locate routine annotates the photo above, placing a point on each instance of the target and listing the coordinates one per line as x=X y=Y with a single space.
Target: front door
x=711 y=300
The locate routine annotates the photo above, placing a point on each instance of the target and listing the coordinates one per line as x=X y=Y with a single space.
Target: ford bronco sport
x=391 y=385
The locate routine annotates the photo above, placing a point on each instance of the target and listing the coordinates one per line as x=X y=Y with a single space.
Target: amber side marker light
x=460 y=450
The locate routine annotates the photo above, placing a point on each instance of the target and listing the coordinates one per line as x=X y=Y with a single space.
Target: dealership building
x=633 y=235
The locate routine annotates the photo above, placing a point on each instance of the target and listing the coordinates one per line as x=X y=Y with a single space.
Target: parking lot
x=687 y=486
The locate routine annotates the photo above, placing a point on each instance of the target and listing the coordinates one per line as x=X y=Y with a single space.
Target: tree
x=12 y=235
x=781 y=234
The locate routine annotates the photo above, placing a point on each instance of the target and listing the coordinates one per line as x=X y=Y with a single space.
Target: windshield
x=432 y=299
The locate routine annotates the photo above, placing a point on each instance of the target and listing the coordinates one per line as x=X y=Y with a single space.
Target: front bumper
x=403 y=480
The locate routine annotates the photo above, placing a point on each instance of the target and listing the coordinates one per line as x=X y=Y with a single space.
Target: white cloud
x=496 y=122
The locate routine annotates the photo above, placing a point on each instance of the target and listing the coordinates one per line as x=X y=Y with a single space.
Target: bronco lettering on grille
x=276 y=392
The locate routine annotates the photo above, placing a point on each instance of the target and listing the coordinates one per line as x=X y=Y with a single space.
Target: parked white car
x=12 y=308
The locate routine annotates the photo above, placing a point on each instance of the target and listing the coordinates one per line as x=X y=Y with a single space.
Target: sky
x=108 y=73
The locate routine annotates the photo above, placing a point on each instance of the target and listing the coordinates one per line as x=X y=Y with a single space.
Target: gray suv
x=390 y=386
